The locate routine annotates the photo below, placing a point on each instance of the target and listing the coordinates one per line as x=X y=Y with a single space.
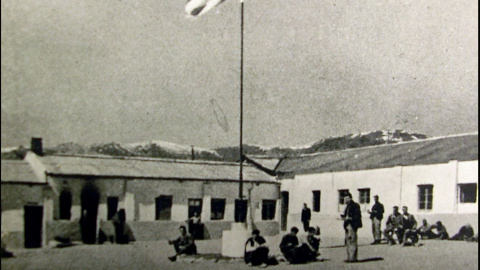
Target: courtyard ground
x=433 y=254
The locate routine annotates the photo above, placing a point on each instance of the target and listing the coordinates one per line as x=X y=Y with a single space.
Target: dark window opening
x=218 y=209
x=316 y=200
x=65 y=205
x=163 y=207
x=364 y=195
x=194 y=206
x=425 y=197
x=112 y=207
x=467 y=193
x=342 y=193
x=240 y=214
x=268 y=209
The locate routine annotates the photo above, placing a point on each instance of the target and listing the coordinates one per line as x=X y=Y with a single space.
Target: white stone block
x=12 y=220
x=130 y=206
x=179 y=212
x=76 y=212
x=233 y=241
x=147 y=212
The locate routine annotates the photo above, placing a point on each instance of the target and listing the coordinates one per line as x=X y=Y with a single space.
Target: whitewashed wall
x=395 y=186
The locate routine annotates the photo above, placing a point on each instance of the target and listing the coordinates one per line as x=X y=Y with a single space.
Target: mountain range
x=161 y=149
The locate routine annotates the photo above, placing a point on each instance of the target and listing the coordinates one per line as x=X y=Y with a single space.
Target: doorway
x=88 y=220
x=33 y=220
x=284 y=210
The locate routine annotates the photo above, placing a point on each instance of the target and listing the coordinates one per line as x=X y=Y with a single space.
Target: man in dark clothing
x=306 y=215
x=442 y=233
x=394 y=226
x=184 y=244
x=256 y=250
x=376 y=215
x=352 y=221
x=409 y=227
x=123 y=232
x=465 y=233
x=309 y=246
x=289 y=246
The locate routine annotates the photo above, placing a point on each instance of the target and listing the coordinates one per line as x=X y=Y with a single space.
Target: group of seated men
x=295 y=250
x=305 y=250
x=404 y=227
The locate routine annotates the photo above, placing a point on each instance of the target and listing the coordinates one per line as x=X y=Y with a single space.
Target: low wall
x=332 y=226
x=63 y=228
x=13 y=239
x=142 y=230
x=163 y=230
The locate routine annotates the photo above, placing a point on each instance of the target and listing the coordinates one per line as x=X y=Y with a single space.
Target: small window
x=218 y=209
x=163 y=208
x=194 y=206
x=364 y=195
x=425 y=197
x=240 y=214
x=268 y=209
x=342 y=193
x=467 y=193
x=112 y=207
x=65 y=201
x=316 y=200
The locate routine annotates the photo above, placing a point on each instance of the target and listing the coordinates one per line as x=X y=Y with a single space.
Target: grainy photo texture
x=231 y=134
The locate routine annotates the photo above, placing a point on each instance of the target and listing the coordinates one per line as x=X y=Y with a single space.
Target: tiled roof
x=18 y=171
x=150 y=168
x=420 y=152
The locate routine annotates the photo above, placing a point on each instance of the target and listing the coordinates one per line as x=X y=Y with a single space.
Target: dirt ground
x=433 y=254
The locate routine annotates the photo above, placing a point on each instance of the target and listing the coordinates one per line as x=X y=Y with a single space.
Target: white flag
x=195 y=8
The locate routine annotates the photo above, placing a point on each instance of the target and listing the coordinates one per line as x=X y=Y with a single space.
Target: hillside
x=324 y=145
x=161 y=149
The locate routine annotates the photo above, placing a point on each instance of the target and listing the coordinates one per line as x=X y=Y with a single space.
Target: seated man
x=256 y=250
x=441 y=231
x=309 y=246
x=425 y=231
x=394 y=226
x=289 y=246
x=409 y=227
x=465 y=233
x=184 y=244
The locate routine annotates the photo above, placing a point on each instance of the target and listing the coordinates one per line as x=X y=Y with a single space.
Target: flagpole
x=240 y=191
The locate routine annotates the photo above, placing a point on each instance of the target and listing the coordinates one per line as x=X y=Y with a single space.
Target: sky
x=129 y=71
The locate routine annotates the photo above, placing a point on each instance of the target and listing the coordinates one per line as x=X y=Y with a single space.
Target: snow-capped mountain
x=162 y=149
x=329 y=144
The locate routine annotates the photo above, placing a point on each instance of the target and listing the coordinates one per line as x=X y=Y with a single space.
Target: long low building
x=437 y=179
x=158 y=195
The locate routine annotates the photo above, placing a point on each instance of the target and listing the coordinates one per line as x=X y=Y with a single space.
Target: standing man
x=376 y=215
x=306 y=215
x=352 y=221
